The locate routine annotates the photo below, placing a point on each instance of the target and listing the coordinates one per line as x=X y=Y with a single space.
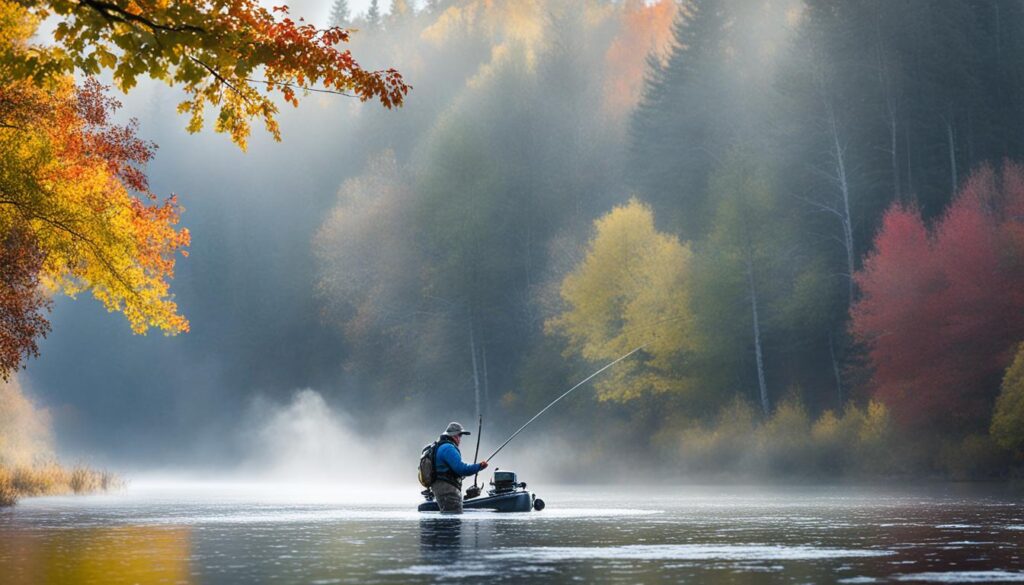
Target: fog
x=377 y=274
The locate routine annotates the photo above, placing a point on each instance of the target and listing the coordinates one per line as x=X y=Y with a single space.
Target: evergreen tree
x=434 y=7
x=400 y=11
x=339 y=13
x=373 y=17
x=681 y=124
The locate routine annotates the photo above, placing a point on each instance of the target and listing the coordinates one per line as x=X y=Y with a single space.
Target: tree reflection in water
x=109 y=555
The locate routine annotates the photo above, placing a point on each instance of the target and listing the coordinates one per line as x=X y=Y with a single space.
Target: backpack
x=427 y=472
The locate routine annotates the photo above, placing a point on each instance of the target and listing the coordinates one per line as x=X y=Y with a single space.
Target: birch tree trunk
x=758 y=354
x=843 y=182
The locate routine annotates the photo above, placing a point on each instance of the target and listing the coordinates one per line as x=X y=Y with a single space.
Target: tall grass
x=50 y=478
x=28 y=465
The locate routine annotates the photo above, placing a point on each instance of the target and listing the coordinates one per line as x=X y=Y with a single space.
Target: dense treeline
x=805 y=210
x=440 y=261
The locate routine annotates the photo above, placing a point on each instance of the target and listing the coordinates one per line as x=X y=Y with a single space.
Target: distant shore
x=52 y=479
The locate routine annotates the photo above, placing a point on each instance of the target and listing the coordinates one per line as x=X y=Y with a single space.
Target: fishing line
x=555 y=401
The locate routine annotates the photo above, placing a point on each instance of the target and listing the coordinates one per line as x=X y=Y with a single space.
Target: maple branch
x=221 y=79
x=115 y=13
x=303 y=88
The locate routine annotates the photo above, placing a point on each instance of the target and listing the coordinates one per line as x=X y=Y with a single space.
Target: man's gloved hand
x=483 y=465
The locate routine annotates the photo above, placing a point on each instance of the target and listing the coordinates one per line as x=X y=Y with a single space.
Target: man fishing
x=441 y=468
x=450 y=470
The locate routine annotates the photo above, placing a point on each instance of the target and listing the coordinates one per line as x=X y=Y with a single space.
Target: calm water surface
x=220 y=533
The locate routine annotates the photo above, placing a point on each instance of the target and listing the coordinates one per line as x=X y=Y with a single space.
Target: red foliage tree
x=22 y=301
x=940 y=312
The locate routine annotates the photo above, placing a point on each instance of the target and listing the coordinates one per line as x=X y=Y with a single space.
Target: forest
x=808 y=213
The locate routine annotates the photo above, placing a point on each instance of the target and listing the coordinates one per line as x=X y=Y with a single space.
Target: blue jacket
x=448 y=459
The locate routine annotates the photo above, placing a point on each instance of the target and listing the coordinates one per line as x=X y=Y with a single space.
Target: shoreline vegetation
x=28 y=461
x=857 y=443
x=53 y=479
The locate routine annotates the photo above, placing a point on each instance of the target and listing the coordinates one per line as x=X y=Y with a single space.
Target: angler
x=441 y=468
x=448 y=469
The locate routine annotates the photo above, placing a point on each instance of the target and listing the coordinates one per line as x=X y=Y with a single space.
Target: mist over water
x=306 y=440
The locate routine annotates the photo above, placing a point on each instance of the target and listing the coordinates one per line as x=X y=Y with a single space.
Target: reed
x=49 y=478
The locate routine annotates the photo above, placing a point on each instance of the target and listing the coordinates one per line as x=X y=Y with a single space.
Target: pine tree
x=434 y=7
x=339 y=13
x=400 y=11
x=678 y=129
x=373 y=18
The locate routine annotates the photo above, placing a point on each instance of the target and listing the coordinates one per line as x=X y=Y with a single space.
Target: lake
x=235 y=533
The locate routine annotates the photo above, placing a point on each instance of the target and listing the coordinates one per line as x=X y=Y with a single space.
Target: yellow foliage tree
x=96 y=234
x=630 y=290
x=76 y=212
x=1008 y=419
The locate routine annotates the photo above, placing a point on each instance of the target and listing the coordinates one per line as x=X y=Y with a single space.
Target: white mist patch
x=26 y=430
x=684 y=552
x=307 y=440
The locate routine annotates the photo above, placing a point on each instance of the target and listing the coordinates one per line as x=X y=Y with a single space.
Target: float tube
x=506 y=495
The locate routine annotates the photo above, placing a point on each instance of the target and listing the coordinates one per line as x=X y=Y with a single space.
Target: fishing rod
x=475 y=490
x=555 y=401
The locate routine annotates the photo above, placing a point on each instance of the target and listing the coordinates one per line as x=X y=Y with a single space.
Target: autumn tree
x=230 y=55
x=510 y=159
x=896 y=101
x=23 y=302
x=76 y=212
x=631 y=290
x=1008 y=419
x=370 y=279
x=942 y=309
x=643 y=39
x=78 y=215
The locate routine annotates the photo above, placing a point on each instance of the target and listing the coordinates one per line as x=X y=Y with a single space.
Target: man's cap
x=455 y=429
